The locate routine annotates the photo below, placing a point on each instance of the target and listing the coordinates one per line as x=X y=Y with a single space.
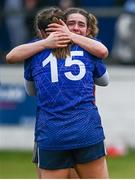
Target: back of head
x=46 y=17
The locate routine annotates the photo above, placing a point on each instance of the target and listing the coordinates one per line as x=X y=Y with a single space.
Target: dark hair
x=90 y=18
x=48 y=16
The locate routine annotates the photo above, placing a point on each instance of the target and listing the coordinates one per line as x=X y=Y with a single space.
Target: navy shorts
x=61 y=159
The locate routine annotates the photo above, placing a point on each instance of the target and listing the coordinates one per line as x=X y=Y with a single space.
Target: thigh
x=35 y=160
x=90 y=161
x=54 y=174
x=96 y=169
x=54 y=159
x=72 y=173
x=88 y=154
x=38 y=172
x=54 y=164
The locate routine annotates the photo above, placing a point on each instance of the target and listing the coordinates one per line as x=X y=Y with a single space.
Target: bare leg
x=73 y=174
x=54 y=174
x=38 y=172
x=96 y=169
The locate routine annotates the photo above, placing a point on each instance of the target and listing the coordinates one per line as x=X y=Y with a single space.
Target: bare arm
x=24 y=51
x=94 y=47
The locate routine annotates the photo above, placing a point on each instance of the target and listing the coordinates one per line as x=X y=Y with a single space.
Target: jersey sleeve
x=103 y=80
x=27 y=64
x=100 y=68
x=28 y=70
x=30 y=87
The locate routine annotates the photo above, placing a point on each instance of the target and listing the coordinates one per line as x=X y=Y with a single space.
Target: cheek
x=84 y=32
x=70 y=28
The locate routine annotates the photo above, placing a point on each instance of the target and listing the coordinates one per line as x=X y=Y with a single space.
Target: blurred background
x=116 y=103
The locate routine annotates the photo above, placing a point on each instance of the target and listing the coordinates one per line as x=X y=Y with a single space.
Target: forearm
x=22 y=52
x=25 y=51
x=94 y=47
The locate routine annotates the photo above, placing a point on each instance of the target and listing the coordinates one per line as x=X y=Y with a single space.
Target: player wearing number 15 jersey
x=68 y=130
x=67 y=117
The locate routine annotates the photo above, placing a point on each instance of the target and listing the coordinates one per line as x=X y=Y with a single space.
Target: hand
x=62 y=27
x=57 y=40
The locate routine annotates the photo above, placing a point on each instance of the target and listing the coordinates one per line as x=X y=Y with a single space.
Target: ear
x=41 y=33
x=88 y=31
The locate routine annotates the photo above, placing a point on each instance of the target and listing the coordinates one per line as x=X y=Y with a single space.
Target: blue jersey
x=66 y=116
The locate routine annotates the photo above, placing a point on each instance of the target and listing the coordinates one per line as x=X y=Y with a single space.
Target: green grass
x=122 y=167
x=18 y=165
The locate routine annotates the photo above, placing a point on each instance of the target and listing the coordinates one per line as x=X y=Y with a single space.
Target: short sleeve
x=28 y=70
x=28 y=64
x=100 y=68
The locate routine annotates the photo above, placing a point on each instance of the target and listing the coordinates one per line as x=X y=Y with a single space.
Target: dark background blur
x=17 y=17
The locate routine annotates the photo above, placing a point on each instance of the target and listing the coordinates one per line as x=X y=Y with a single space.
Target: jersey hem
x=71 y=147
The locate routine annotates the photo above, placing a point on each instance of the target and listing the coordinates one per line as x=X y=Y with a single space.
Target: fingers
x=52 y=29
x=55 y=29
x=62 y=43
x=65 y=40
x=60 y=35
x=59 y=29
x=62 y=22
x=62 y=40
x=54 y=25
x=57 y=39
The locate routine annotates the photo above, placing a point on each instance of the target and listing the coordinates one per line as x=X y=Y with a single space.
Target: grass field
x=17 y=165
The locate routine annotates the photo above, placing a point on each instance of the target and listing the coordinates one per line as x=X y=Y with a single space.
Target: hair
x=48 y=16
x=90 y=18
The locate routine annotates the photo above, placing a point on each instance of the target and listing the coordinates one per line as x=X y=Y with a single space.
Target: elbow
x=13 y=56
x=104 y=53
x=10 y=59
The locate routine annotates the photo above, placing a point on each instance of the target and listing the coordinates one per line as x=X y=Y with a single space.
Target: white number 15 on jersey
x=69 y=61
